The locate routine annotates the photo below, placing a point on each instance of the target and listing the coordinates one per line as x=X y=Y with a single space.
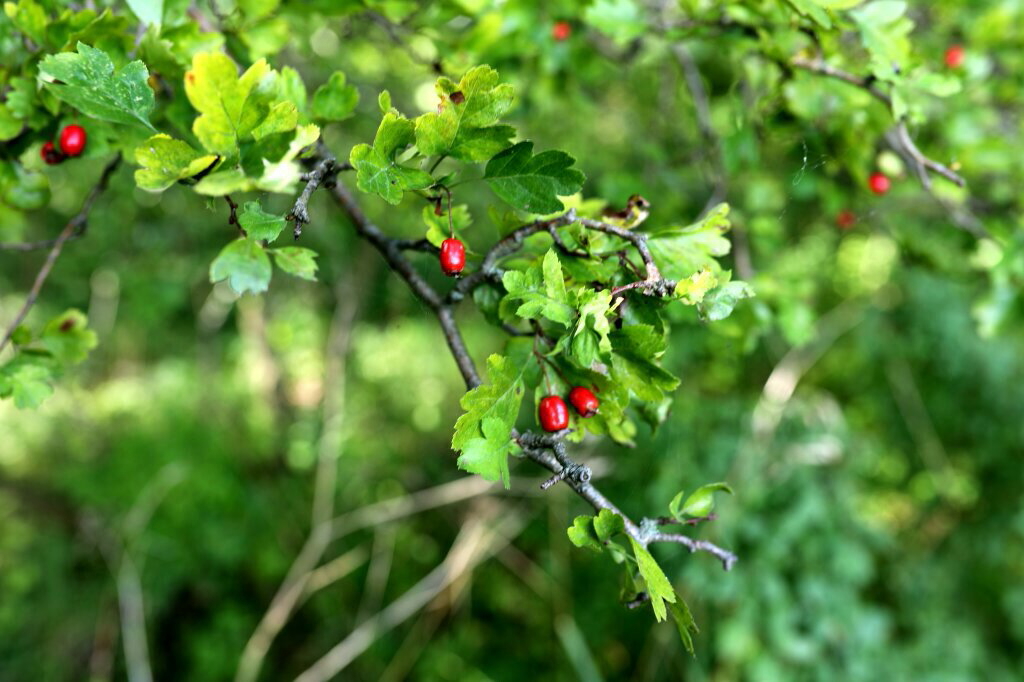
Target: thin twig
x=475 y=543
x=725 y=556
x=323 y=173
x=77 y=225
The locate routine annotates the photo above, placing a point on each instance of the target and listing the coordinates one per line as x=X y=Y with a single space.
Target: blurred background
x=867 y=407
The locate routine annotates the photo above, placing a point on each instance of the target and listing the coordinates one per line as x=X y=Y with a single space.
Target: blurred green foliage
x=867 y=408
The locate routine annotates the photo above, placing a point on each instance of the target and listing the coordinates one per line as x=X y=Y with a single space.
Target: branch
x=323 y=173
x=75 y=227
x=547 y=450
x=901 y=140
x=725 y=556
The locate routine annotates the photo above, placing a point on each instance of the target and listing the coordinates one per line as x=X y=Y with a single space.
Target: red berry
x=553 y=413
x=453 y=257
x=584 y=400
x=72 y=139
x=955 y=56
x=50 y=154
x=845 y=219
x=561 y=30
x=879 y=183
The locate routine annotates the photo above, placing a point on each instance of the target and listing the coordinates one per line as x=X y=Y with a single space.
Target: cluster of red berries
x=72 y=143
x=553 y=413
x=561 y=31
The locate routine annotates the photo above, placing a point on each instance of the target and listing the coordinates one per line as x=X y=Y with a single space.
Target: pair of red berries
x=72 y=143
x=553 y=413
x=452 y=257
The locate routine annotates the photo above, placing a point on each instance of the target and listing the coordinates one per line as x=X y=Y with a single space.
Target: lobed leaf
x=463 y=127
x=533 y=183
x=659 y=589
x=296 y=261
x=88 y=81
x=165 y=161
x=244 y=264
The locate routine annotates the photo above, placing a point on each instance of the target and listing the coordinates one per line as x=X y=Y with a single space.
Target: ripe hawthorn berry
x=72 y=139
x=561 y=30
x=954 y=56
x=879 y=183
x=845 y=219
x=452 y=257
x=50 y=154
x=553 y=413
x=584 y=400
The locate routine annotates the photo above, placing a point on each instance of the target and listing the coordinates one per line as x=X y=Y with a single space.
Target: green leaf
x=582 y=533
x=692 y=289
x=659 y=589
x=541 y=290
x=685 y=624
x=282 y=117
x=68 y=337
x=885 y=33
x=27 y=380
x=702 y=501
x=28 y=17
x=812 y=9
x=676 y=505
x=296 y=261
x=230 y=107
x=244 y=264
x=590 y=339
x=258 y=224
x=463 y=127
x=165 y=160
x=498 y=402
x=223 y=182
x=720 y=301
x=636 y=349
x=335 y=101
x=376 y=169
x=89 y=83
x=533 y=183
x=10 y=126
x=682 y=251
x=488 y=456
x=607 y=523
x=148 y=11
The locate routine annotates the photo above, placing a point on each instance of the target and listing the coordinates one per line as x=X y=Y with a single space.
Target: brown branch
x=900 y=140
x=547 y=450
x=75 y=226
x=323 y=173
